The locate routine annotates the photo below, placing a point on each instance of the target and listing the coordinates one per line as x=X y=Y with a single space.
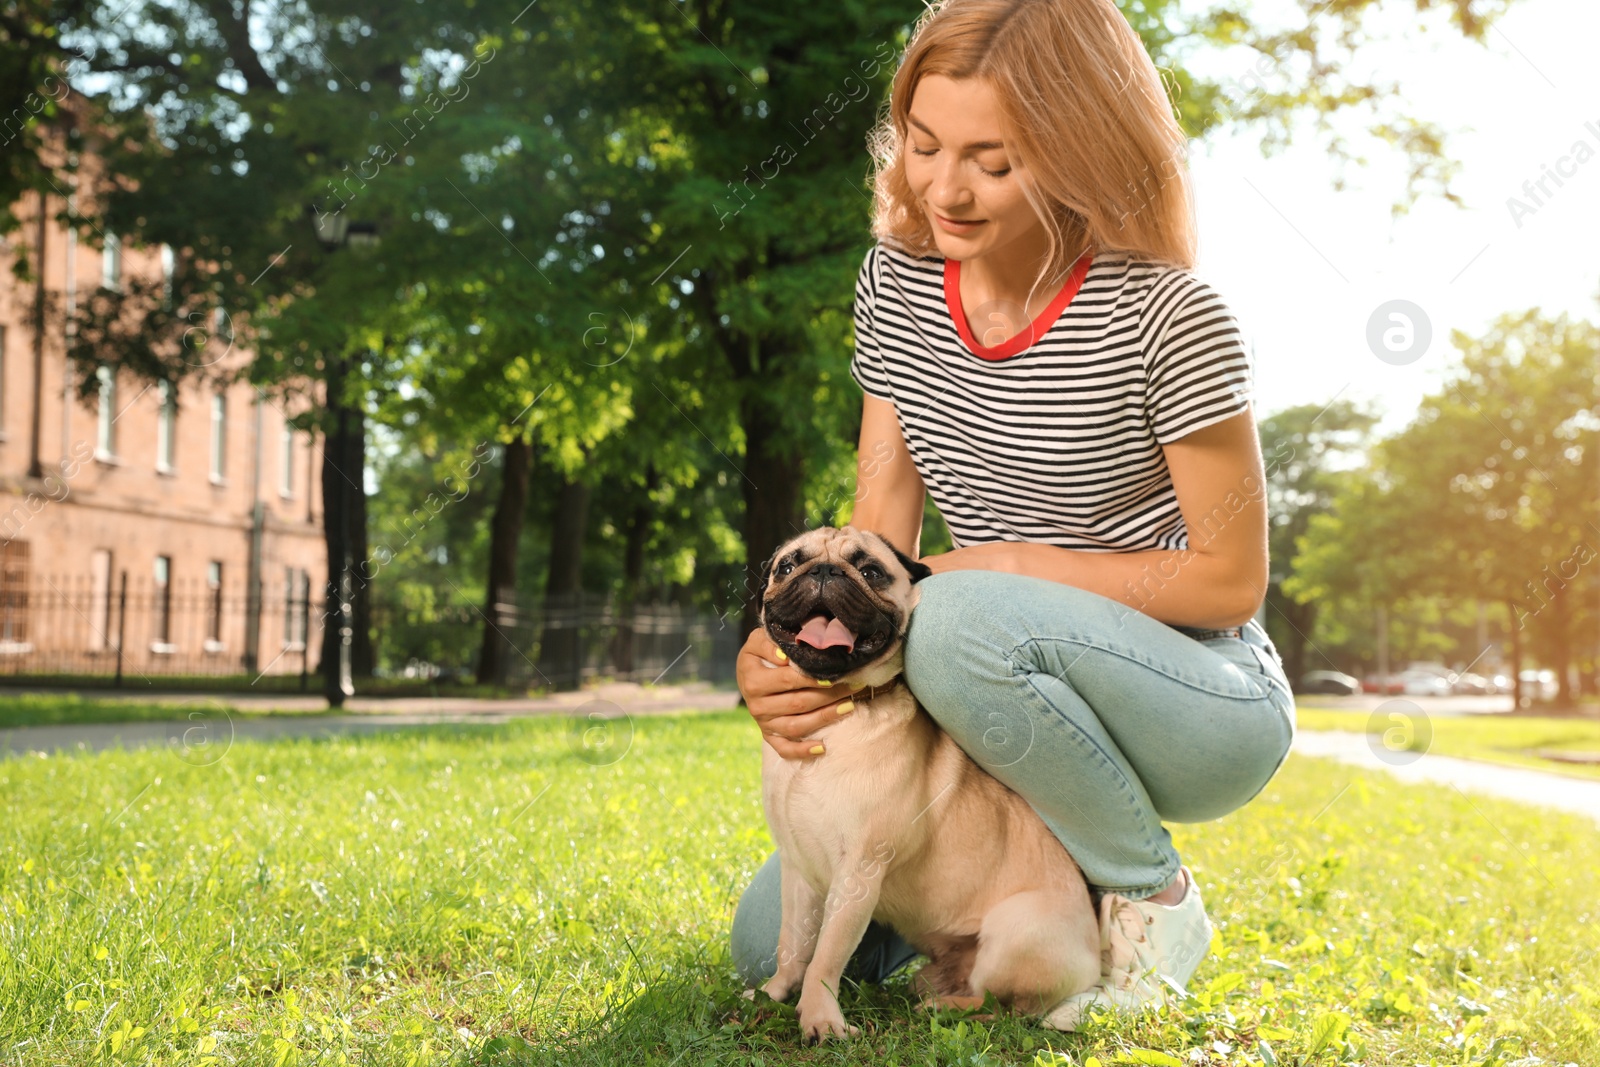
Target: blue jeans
x=1106 y=720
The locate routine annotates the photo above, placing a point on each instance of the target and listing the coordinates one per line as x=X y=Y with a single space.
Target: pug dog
x=895 y=822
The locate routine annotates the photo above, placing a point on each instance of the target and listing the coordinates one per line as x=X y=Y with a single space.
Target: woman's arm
x=889 y=490
x=1218 y=581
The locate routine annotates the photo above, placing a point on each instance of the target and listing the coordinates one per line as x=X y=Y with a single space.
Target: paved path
x=1540 y=788
x=207 y=723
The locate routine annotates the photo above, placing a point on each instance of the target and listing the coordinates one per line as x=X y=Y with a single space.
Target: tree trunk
x=774 y=508
x=336 y=522
x=624 y=650
x=561 y=645
x=1561 y=646
x=344 y=520
x=1516 y=654
x=361 y=655
x=505 y=534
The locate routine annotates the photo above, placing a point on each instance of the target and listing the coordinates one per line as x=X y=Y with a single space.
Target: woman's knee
x=1226 y=786
x=753 y=938
x=961 y=627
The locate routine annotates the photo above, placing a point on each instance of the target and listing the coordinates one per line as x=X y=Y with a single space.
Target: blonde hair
x=1084 y=112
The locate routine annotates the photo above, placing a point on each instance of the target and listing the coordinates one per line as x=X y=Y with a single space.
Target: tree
x=696 y=166
x=1488 y=494
x=1309 y=454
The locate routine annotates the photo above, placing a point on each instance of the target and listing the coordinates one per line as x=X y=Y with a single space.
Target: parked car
x=1423 y=684
x=1472 y=685
x=1329 y=682
x=1384 y=686
x=1539 y=685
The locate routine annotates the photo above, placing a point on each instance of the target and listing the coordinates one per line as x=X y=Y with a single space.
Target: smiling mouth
x=823 y=633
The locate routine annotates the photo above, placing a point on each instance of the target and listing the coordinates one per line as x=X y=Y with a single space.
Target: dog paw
x=819 y=1028
x=777 y=988
x=950 y=1003
x=820 y=1017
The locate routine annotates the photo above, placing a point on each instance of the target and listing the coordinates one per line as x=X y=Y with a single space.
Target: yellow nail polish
x=845 y=707
x=824 y=682
x=816 y=750
x=781 y=657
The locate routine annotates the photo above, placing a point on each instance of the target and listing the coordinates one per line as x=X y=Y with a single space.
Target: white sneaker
x=1148 y=952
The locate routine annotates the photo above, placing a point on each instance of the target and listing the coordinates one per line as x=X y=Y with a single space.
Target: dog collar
x=888 y=687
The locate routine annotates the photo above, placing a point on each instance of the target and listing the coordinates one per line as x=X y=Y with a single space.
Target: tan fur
x=896 y=822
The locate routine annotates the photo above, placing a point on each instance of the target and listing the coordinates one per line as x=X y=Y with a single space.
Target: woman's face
x=959 y=170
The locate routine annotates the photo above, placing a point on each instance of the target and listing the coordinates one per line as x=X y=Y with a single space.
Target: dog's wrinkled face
x=838 y=599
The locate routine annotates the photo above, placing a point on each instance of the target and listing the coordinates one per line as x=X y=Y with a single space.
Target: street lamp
x=335 y=231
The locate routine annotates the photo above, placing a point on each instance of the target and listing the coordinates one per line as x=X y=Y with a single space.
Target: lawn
x=1516 y=740
x=529 y=893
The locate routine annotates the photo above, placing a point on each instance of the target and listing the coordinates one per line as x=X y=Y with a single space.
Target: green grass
x=51 y=709
x=1515 y=740
x=528 y=894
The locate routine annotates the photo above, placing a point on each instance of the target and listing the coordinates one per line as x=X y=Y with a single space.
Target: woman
x=1036 y=354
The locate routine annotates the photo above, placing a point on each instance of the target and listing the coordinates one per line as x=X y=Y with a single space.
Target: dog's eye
x=784 y=568
x=872 y=572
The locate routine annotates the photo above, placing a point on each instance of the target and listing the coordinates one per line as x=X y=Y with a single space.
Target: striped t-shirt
x=1057 y=442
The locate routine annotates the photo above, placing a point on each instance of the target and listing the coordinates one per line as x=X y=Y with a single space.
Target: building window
x=100 y=601
x=214 y=606
x=111 y=262
x=14 y=597
x=286 y=461
x=106 y=438
x=161 y=607
x=296 y=596
x=219 y=436
x=167 y=429
x=169 y=262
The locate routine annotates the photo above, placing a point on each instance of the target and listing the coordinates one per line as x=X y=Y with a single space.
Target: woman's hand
x=788 y=705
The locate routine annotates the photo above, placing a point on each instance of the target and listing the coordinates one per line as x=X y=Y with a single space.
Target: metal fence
x=111 y=625
x=118 y=627
x=562 y=644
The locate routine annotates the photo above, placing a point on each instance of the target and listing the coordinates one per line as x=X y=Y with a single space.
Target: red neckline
x=1036 y=329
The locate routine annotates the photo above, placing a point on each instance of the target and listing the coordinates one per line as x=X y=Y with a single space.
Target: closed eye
x=991 y=173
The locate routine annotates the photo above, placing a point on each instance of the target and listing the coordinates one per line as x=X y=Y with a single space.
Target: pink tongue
x=822 y=632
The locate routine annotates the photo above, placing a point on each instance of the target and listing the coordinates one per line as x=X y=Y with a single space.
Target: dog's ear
x=918 y=571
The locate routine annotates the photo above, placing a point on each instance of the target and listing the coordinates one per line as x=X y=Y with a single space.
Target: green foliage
x=1308 y=455
x=1487 y=495
x=642 y=220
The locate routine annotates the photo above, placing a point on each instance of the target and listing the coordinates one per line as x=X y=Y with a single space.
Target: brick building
x=176 y=530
